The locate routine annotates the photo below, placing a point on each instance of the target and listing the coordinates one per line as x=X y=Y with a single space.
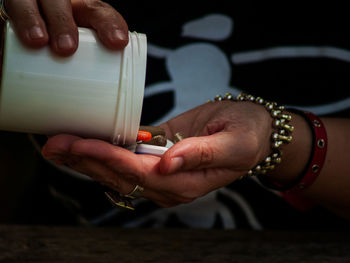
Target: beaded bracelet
x=316 y=161
x=281 y=135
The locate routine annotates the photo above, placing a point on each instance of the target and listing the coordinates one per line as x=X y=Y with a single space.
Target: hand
x=42 y=22
x=224 y=140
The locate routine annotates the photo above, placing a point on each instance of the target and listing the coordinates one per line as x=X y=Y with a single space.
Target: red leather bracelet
x=316 y=161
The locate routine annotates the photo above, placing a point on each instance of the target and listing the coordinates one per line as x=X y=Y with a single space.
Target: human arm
x=224 y=140
x=331 y=187
x=54 y=23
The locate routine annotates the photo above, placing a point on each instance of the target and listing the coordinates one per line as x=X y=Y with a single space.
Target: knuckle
x=30 y=14
x=61 y=17
x=93 y=5
x=206 y=154
x=135 y=178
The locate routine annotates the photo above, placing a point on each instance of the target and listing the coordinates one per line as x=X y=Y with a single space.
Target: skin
x=40 y=23
x=209 y=160
x=45 y=22
x=223 y=139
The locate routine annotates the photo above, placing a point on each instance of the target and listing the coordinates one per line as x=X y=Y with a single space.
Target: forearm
x=331 y=188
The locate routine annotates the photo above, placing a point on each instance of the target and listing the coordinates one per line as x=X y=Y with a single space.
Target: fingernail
x=65 y=42
x=118 y=34
x=175 y=164
x=36 y=32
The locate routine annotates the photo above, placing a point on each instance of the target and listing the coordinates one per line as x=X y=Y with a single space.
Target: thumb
x=220 y=150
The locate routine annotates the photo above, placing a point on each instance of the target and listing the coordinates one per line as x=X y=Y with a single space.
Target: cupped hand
x=223 y=141
x=42 y=22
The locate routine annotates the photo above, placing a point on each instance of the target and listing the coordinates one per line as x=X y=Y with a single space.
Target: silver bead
x=275 y=136
x=282 y=132
x=275 y=113
x=257 y=168
x=228 y=96
x=278 y=160
x=281 y=124
x=218 y=98
x=276 y=155
x=269 y=106
x=284 y=138
x=270 y=167
x=317 y=123
x=241 y=96
x=268 y=159
x=251 y=98
x=259 y=100
x=286 y=117
x=277 y=144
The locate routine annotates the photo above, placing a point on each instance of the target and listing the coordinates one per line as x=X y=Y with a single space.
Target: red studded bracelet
x=318 y=156
x=316 y=160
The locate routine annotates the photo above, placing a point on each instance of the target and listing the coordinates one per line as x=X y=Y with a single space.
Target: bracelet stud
x=284 y=138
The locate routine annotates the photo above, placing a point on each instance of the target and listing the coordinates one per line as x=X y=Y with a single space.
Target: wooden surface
x=69 y=244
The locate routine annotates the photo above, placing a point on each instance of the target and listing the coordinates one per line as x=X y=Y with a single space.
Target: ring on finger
x=136 y=192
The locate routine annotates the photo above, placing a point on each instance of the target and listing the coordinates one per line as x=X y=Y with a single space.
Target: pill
x=158 y=140
x=154 y=130
x=143 y=135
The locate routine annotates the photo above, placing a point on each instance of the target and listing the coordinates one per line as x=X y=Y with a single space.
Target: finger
x=110 y=26
x=199 y=121
x=58 y=146
x=143 y=170
x=117 y=158
x=61 y=26
x=135 y=169
x=28 y=23
x=220 y=150
x=101 y=173
x=98 y=172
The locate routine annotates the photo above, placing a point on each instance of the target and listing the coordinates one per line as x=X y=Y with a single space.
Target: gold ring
x=136 y=192
x=119 y=200
x=4 y=16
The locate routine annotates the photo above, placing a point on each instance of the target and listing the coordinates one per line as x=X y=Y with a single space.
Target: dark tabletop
x=89 y=244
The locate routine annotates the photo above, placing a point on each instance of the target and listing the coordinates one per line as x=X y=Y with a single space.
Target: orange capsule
x=144 y=136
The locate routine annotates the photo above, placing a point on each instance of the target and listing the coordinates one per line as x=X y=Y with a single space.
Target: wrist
x=303 y=156
x=282 y=130
x=317 y=157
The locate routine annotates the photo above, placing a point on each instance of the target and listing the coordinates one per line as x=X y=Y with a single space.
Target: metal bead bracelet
x=281 y=135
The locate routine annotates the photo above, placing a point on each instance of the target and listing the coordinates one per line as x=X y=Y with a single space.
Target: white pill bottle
x=95 y=93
